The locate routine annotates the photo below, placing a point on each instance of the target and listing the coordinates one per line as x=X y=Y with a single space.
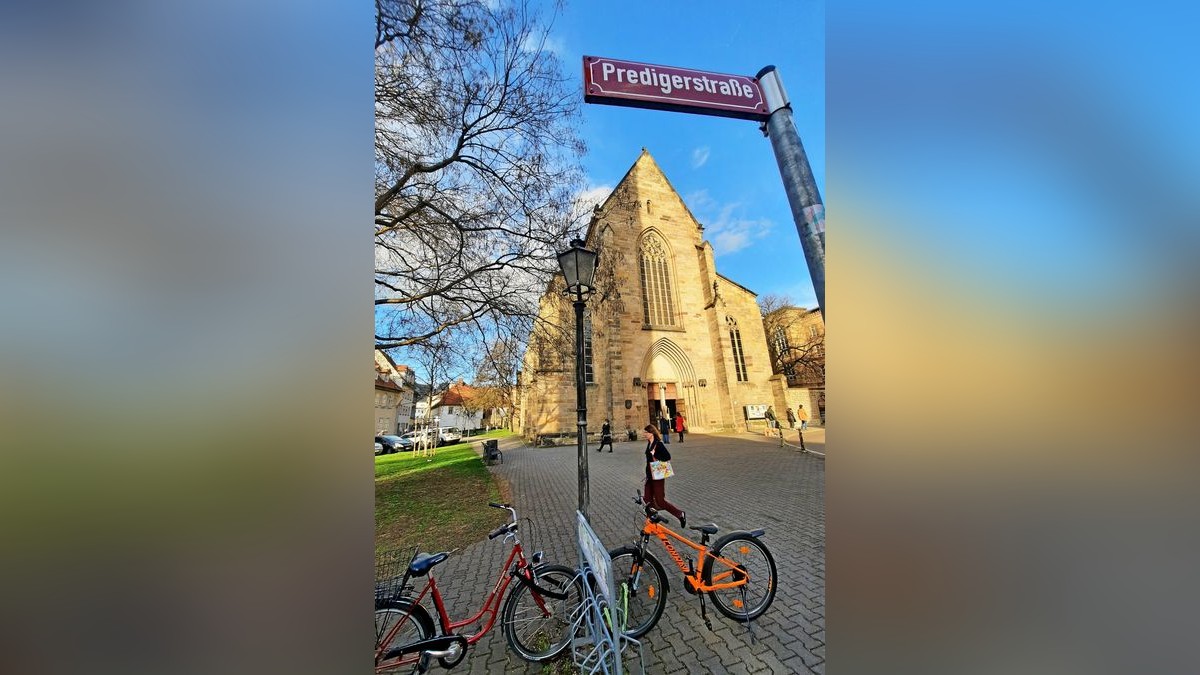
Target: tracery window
x=739 y=359
x=658 y=308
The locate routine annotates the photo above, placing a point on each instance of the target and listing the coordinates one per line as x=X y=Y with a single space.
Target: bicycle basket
x=391 y=572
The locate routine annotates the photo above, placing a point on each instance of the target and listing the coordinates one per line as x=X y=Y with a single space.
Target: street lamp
x=579 y=269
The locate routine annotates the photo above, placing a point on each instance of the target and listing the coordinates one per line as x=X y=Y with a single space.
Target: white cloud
x=588 y=200
x=543 y=43
x=700 y=156
x=555 y=46
x=700 y=202
x=725 y=225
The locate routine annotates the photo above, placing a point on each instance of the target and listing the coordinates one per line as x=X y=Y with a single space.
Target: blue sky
x=724 y=168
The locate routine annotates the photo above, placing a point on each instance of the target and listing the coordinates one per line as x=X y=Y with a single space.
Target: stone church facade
x=665 y=332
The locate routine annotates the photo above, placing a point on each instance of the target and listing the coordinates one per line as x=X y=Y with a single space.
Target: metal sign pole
x=802 y=193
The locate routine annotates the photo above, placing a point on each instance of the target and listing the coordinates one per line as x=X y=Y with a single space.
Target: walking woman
x=655 y=493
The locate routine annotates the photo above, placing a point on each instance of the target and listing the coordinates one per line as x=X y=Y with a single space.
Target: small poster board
x=756 y=411
x=592 y=550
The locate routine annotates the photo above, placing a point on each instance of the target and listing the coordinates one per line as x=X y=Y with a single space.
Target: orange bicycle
x=737 y=572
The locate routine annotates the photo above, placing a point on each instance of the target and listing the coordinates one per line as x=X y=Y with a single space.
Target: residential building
x=449 y=408
x=393 y=395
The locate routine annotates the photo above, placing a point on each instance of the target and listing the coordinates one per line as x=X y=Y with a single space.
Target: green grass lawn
x=495 y=433
x=438 y=505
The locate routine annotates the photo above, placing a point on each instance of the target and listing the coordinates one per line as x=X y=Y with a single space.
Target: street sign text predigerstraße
x=643 y=85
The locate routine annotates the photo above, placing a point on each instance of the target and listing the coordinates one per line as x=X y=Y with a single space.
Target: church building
x=664 y=332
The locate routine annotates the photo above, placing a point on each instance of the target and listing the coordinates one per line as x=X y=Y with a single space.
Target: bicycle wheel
x=754 y=561
x=530 y=633
x=417 y=626
x=648 y=597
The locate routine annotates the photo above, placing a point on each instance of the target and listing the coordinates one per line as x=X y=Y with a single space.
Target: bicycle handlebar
x=503 y=529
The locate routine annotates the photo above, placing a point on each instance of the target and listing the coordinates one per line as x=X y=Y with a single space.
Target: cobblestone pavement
x=737 y=481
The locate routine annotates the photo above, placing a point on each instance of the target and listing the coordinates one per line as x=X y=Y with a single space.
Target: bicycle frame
x=491 y=606
x=664 y=534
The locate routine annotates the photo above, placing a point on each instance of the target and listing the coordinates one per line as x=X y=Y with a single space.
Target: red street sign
x=642 y=85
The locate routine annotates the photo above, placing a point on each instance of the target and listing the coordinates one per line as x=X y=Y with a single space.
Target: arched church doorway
x=670 y=384
x=663 y=398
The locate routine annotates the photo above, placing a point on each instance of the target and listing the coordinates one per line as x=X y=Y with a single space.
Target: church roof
x=725 y=278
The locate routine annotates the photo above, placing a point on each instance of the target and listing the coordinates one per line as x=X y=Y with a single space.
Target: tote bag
x=661 y=470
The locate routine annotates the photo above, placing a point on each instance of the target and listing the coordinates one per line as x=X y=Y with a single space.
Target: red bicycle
x=536 y=617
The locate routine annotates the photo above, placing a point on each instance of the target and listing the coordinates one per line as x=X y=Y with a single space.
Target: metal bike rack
x=600 y=641
x=598 y=624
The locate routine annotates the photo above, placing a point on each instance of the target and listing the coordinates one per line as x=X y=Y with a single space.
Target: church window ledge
x=674 y=329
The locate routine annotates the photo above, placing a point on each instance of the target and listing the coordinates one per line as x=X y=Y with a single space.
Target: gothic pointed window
x=739 y=358
x=658 y=307
x=589 y=375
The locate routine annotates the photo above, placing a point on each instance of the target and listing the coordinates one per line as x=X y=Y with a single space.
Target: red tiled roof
x=457 y=394
x=386 y=383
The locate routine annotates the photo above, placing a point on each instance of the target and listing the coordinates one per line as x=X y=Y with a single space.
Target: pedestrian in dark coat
x=655 y=493
x=605 y=437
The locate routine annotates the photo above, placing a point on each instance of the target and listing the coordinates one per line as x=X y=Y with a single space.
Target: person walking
x=803 y=417
x=605 y=437
x=664 y=427
x=771 y=423
x=680 y=425
x=791 y=418
x=655 y=493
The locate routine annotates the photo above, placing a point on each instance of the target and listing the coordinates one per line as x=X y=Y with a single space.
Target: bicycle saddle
x=424 y=562
x=711 y=528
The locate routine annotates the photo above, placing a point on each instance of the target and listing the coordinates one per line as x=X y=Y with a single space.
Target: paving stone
x=796 y=665
x=736 y=481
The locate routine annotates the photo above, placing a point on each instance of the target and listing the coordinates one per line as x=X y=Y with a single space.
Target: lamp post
x=579 y=269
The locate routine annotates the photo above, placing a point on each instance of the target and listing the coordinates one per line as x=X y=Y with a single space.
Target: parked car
x=448 y=435
x=412 y=438
x=390 y=443
x=378 y=448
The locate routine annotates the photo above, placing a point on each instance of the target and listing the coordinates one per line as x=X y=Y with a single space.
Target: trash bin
x=491 y=451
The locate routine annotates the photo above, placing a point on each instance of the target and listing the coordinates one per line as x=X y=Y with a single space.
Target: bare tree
x=496 y=376
x=430 y=25
x=477 y=162
x=797 y=351
x=434 y=357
